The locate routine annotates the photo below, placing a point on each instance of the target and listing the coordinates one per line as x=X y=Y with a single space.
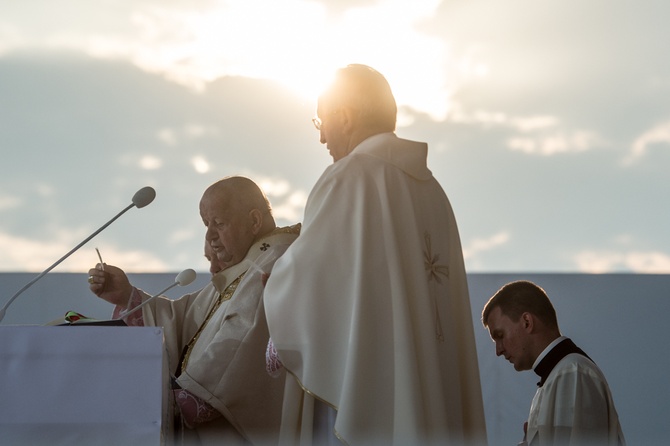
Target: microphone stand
x=146 y=302
x=183 y=278
x=29 y=284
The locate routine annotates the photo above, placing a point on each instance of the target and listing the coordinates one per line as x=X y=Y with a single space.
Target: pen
x=102 y=264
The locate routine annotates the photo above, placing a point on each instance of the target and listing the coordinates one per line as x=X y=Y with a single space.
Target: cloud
x=528 y=101
x=641 y=262
x=21 y=254
x=543 y=135
x=532 y=123
x=9 y=202
x=291 y=209
x=185 y=134
x=658 y=135
x=182 y=235
x=480 y=245
x=200 y=164
x=149 y=162
x=555 y=143
x=10 y=38
x=167 y=137
x=297 y=43
x=288 y=203
x=274 y=187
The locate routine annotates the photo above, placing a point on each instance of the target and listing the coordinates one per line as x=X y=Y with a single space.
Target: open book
x=74 y=318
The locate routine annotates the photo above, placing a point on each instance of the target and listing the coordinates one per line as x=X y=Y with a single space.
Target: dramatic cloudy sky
x=548 y=122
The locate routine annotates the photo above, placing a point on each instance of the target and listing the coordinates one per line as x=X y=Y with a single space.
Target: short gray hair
x=366 y=90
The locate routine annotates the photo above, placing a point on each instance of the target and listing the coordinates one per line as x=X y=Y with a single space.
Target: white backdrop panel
x=618 y=319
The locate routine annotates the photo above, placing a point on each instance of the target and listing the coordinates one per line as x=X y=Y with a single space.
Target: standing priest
x=368 y=310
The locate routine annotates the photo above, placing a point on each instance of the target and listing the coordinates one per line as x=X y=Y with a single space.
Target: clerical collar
x=547 y=349
x=557 y=350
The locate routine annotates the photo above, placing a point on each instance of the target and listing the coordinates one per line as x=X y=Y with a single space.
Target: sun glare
x=299 y=44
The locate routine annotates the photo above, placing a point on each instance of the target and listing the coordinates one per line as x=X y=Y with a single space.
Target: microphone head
x=144 y=196
x=185 y=277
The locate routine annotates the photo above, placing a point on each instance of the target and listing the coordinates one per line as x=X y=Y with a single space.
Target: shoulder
x=576 y=360
x=344 y=179
x=576 y=365
x=282 y=236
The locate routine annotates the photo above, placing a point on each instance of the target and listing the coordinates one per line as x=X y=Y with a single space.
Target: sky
x=548 y=122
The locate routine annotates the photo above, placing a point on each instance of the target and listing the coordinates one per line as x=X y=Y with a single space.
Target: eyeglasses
x=318 y=123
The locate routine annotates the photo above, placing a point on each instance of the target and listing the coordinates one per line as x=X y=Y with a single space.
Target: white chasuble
x=225 y=363
x=369 y=308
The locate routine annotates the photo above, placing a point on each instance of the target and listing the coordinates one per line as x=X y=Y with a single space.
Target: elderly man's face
x=332 y=132
x=230 y=231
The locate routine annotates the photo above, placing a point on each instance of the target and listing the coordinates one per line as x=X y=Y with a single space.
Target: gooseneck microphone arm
x=141 y=198
x=183 y=278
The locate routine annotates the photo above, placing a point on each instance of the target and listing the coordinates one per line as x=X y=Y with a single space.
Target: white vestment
x=369 y=308
x=226 y=364
x=574 y=407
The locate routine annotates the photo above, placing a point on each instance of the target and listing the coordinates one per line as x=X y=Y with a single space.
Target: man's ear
x=348 y=119
x=256 y=220
x=528 y=321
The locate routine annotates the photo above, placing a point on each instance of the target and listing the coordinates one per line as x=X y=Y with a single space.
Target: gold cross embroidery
x=430 y=263
x=434 y=271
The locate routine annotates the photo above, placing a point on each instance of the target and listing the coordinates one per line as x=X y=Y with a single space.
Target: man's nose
x=499 y=349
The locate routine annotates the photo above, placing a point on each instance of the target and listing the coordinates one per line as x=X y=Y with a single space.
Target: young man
x=573 y=404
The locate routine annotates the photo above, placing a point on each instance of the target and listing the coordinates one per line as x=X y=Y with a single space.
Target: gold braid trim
x=307 y=391
x=316 y=397
x=226 y=295
x=294 y=229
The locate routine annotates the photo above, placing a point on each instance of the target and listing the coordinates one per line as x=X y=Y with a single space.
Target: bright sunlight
x=297 y=43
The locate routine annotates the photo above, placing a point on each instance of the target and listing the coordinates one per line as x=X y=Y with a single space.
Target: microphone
x=183 y=278
x=141 y=198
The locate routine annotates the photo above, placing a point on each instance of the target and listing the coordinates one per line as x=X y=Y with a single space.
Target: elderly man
x=573 y=404
x=369 y=309
x=216 y=338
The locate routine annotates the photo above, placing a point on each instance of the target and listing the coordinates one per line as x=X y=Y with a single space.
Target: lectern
x=87 y=385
